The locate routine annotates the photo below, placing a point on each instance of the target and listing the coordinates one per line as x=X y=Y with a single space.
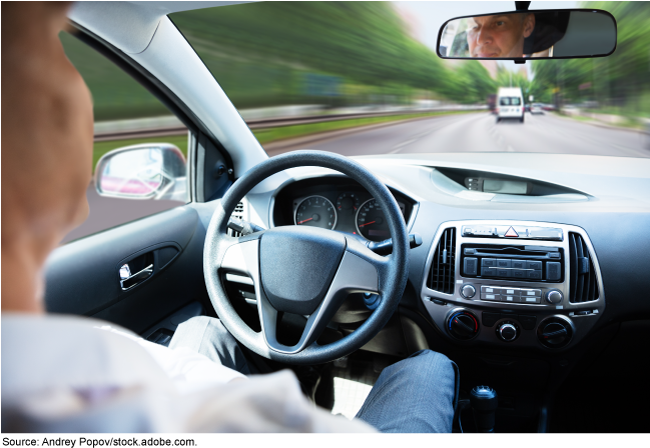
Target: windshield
x=306 y=74
x=510 y=101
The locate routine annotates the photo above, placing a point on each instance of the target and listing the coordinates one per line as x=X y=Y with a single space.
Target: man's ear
x=529 y=25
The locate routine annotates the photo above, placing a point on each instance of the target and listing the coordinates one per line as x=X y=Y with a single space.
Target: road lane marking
x=401 y=145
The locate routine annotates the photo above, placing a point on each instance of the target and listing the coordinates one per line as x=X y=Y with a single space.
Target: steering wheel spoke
x=241 y=256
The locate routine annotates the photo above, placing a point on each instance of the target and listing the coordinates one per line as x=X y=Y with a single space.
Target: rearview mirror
x=548 y=34
x=146 y=171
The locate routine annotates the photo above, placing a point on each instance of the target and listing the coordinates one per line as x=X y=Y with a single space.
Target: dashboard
x=536 y=268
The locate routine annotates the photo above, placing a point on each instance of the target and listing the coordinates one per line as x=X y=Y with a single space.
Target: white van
x=510 y=103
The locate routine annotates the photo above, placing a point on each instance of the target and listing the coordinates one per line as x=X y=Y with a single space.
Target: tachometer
x=316 y=211
x=371 y=222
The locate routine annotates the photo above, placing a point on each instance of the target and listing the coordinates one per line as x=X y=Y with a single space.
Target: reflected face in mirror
x=500 y=36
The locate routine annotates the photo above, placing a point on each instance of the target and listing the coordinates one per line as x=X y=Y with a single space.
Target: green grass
x=266 y=135
x=628 y=123
x=301 y=130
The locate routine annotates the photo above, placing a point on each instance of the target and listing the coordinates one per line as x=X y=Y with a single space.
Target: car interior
x=528 y=270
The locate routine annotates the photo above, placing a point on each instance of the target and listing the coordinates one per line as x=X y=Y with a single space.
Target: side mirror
x=520 y=35
x=146 y=171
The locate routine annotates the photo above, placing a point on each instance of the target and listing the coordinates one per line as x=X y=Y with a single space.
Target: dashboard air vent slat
x=584 y=287
x=442 y=274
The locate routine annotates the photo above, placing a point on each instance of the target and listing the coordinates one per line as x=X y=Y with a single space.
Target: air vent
x=443 y=265
x=239 y=214
x=584 y=287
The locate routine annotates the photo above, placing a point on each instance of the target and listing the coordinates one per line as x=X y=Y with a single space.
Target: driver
x=73 y=374
x=499 y=36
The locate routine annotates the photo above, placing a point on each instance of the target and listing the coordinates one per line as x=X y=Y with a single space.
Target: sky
x=426 y=17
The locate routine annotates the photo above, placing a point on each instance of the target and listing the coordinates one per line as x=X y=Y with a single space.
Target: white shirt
x=69 y=374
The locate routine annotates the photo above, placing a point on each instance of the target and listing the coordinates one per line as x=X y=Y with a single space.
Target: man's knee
x=427 y=360
x=421 y=386
x=196 y=331
x=200 y=325
x=429 y=357
x=427 y=370
x=197 y=321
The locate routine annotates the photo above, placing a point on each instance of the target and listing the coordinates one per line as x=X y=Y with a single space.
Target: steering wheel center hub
x=297 y=265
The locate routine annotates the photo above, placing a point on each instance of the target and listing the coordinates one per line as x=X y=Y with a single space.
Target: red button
x=511 y=233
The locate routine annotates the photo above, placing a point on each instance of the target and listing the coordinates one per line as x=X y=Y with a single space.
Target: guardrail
x=175 y=129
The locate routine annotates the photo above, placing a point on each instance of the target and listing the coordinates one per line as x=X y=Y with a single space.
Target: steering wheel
x=304 y=270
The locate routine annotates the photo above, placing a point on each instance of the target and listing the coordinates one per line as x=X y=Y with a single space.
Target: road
x=479 y=132
x=474 y=132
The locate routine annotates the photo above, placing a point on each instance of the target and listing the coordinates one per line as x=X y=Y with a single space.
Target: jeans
x=415 y=395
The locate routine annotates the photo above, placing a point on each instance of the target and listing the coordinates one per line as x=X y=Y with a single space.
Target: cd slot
x=513 y=252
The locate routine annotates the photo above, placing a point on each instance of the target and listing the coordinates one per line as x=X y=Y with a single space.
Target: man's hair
x=523 y=16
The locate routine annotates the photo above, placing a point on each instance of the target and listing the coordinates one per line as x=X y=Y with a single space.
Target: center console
x=517 y=283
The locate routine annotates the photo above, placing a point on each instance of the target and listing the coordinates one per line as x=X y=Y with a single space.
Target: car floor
x=346 y=382
x=608 y=393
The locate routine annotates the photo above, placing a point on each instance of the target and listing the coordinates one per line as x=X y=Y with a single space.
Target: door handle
x=132 y=280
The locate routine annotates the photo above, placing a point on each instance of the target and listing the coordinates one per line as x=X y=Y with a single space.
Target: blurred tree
x=617 y=83
x=253 y=49
x=470 y=83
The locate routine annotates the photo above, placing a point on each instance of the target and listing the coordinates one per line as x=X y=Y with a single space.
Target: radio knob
x=554 y=296
x=507 y=331
x=468 y=291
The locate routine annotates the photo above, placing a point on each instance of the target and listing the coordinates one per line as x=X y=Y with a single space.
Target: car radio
x=530 y=263
x=520 y=276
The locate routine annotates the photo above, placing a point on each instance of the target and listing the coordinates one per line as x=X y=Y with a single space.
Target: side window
x=137 y=182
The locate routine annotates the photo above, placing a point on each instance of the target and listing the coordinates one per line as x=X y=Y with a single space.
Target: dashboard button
x=510 y=291
x=537 y=265
x=530 y=299
x=510 y=298
x=490 y=290
x=490 y=262
x=519 y=264
x=531 y=293
x=505 y=273
x=518 y=273
x=491 y=297
x=508 y=331
x=489 y=319
x=479 y=231
x=547 y=233
x=470 y=266
x=534 y=275
x=492 y=272
x=553 y=270
x=504 y=263
x=554 y=296
x=467 y=291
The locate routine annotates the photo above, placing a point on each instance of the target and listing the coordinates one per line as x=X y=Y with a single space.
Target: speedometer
x=315 y=211
x=371 y=222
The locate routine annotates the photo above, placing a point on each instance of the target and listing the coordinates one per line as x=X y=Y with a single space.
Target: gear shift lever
x=484 y=404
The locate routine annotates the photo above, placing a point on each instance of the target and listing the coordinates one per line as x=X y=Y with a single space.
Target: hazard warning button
x=511 y=233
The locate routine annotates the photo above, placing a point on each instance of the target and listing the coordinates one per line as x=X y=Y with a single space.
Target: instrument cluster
x=335 y=203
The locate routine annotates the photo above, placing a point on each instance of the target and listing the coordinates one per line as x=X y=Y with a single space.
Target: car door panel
x=83 y=277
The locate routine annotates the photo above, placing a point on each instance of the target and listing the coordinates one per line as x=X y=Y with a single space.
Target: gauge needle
x=305 y=220
x=367 y=224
